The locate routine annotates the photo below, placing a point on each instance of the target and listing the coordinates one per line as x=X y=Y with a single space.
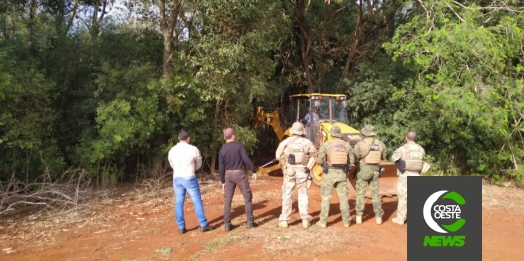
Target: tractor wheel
x=317 y=175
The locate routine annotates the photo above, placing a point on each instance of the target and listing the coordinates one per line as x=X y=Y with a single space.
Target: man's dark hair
x=411 y=135
x=183 y=135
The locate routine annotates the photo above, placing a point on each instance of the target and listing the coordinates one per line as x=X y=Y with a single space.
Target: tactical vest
x=337 y=153
x=371 y=153
x=413 y=156
x=297 y=148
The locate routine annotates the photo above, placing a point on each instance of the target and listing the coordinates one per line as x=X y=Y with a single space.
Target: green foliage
x=372 y=100
x=26 y=122
x=233 y=66
x=94 y=93
x=469 y=84
x=130 y=119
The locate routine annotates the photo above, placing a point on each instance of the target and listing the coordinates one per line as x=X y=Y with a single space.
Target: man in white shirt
x=185 y=159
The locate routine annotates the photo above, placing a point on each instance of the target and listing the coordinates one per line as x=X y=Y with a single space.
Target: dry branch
x=66 y=191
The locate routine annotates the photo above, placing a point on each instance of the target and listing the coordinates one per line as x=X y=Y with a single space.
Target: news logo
x=444 y=218
x=443 y=214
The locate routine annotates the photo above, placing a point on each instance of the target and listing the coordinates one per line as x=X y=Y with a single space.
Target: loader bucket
x=388 y=180
x=261 y=172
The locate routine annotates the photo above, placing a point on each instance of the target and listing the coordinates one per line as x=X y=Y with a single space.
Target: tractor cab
x=318 y=112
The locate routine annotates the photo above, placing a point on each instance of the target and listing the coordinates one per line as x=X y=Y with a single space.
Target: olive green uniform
x=335 y=178
x=368 y=174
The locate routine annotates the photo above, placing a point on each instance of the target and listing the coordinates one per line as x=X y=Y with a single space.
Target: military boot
x=282 y=223
x=379 y=220
x=320 y=225
x=397 y=221
x=305 y=223
x=359 y=219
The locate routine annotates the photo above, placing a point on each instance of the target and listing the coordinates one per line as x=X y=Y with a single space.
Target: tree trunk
x=354 y=45
x=32 y=21
x=96 y=20
x=166 y=56
x=305 y=43
x=167 y=25
x=212 y=167
x=157 y=169
x=94 y=23
x=352 y=52
x=71 y=17
x=362 y=36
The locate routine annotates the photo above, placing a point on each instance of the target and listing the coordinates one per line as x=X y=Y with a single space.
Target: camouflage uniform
x=295 y=174
x=368 y=175
x=402 y=186
x=335 y=178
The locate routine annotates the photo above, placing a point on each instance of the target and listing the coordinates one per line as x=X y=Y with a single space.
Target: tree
x=469 y=63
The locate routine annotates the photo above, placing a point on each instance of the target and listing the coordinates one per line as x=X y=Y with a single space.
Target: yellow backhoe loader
x=323 y=111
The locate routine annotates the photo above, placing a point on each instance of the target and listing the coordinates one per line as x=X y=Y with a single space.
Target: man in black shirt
x=231 y=161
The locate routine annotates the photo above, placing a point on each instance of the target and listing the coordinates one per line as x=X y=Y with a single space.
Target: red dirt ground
x=138 y=226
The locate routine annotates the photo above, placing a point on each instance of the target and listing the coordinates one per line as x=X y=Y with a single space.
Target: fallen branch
x=66 y=191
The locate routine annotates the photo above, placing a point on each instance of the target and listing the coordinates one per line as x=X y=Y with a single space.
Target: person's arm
x=356 y=152
x=384 y=152
x=198 y=159
x=351 y=157
x=221 y=168
x=279 y=151
x=312 y=150
x=322 y=153
x=246 y=159
x=170 y=160
x=397 y=154
x=396 y=158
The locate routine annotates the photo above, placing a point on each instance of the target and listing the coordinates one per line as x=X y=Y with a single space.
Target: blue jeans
x=181 y=185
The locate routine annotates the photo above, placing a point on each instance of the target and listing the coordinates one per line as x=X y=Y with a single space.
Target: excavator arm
x=272 y=119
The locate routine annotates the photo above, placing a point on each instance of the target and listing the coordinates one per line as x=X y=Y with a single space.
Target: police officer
x=410 y=162
x=369 y=152
x=298 y=153
x=339 y=156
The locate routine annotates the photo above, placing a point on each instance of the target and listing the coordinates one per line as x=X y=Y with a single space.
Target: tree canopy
x=106 y=85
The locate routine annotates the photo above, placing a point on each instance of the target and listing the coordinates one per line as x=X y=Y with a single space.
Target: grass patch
x=313 y=239
x=165 y=251
x=210 y=248
x=196 y=255
x=233 y=238
x=213 y=246
x=505 y=198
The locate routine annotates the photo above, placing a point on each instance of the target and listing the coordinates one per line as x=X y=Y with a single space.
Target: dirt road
x=138 y=224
